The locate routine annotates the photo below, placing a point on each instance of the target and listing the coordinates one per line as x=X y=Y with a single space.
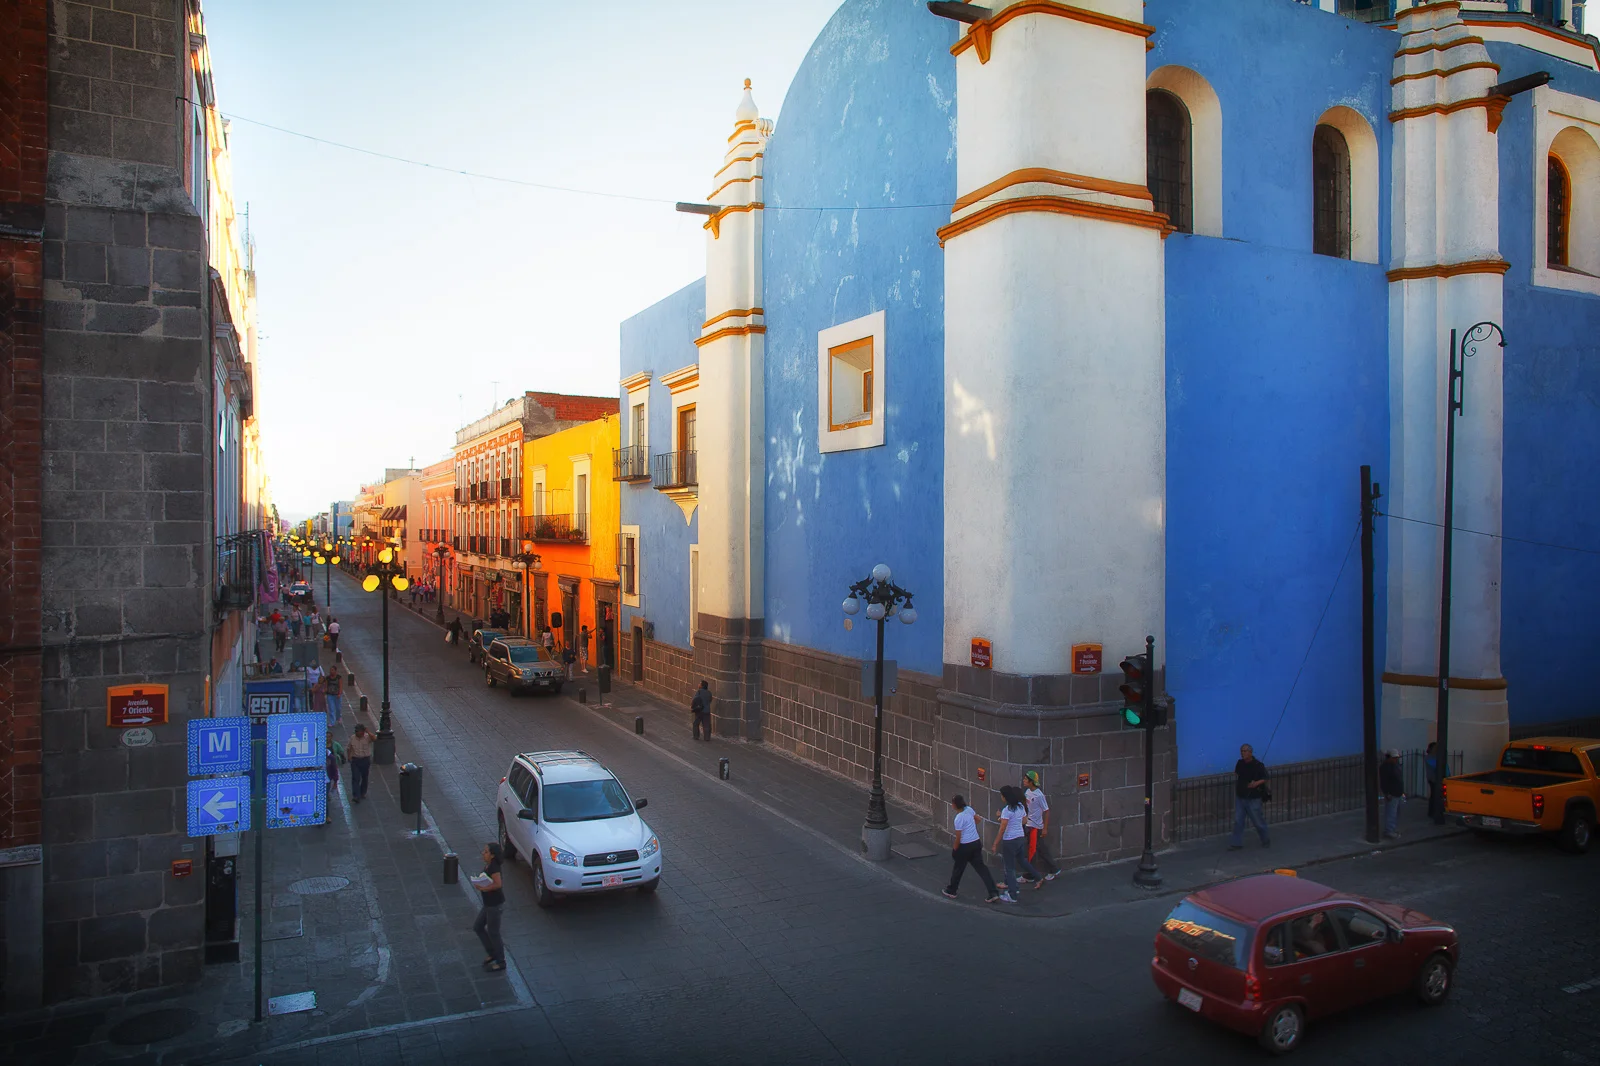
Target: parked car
x=1265 y=954
x=522 y=666
x=300 y=592
x=478 y=644
x=577 y=826
x=1542 y=785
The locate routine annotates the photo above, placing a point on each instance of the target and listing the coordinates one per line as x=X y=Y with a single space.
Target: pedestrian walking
x=548 y=639
x=313 y=673
x=333 y=686
x=1249 y=792
x=280 y=631
x=569 y=659
x=583 y=649
x=319 y=697
x=360 y=762
x=1393 y=786
x=1037 y=825
x=1431 y=760
x=296 y=620
x=488 y=924
x=313 y=622
x=335 y=758
x=455 y=630
x=967 y=850
x=333 y=634
x=1011 y=843
x=700 y=707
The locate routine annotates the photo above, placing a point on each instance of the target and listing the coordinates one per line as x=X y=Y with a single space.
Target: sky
x=398 y=302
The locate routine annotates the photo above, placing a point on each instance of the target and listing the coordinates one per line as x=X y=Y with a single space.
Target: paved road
x=766 y=943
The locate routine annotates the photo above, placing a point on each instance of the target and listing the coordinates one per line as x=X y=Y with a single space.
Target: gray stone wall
x=126 y=500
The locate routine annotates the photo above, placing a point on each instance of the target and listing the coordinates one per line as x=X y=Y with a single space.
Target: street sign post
x=297 y=798
x=219 y=805
x=270 y=697
x=128 y=706
x=296 y=741
x=219 y=745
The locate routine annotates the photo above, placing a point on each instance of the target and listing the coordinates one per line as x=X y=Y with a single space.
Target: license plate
x=1189 y=999
x=544 y=682
x=1490 y=823
x=611 y=880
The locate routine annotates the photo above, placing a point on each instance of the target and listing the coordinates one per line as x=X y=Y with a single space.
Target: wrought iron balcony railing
x=631 y=463
x=674 y=470
x=557 y=528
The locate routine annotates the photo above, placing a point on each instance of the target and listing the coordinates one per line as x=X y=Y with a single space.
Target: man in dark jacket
x=1393 y=787
x=455 y=630
x=1249 y=790
x=701 y=706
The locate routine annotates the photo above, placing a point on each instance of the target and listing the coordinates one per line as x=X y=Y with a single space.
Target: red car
x=1264 y=954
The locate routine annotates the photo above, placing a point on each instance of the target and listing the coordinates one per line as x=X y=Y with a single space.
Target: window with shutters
x=1558 y=212
x=1167 y=157
x=628 y=565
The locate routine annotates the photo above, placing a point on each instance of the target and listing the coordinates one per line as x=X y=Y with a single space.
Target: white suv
x=574 y=822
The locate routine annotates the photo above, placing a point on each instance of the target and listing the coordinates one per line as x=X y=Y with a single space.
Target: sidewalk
x=357 y=914
x=835 y=808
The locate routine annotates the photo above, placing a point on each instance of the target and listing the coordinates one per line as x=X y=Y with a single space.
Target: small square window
x=850 y=385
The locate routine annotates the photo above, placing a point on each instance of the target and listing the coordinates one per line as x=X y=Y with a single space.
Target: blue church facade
x=1305 y=285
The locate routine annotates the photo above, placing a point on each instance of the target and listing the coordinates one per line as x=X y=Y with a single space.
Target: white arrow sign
x=215 y=806
x=140 y=720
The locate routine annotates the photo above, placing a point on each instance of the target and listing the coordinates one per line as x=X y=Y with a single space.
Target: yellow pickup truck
x=1542 y=785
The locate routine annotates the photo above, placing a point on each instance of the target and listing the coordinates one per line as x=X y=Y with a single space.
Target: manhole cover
x=152 y=1027
x=312 y=886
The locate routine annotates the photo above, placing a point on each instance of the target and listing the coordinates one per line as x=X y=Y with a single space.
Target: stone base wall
x=669 y=671
x=812 y=705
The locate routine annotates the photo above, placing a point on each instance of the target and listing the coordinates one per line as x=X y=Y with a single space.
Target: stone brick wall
x=126 y=533
x=669 y=671
x=812 y=705
x=23 y=146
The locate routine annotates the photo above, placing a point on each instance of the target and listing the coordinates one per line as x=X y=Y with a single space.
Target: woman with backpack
x=1012 y=843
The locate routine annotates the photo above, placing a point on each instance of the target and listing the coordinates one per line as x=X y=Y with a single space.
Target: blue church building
x=1083 y=318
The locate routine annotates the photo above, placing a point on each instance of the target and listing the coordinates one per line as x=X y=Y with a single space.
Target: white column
x=731 y=409
x=1055 y=408
x=1446 y=273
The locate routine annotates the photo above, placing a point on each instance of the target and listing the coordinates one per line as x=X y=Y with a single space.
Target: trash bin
x=452 y=867
x=605 y=679
x=410 y=788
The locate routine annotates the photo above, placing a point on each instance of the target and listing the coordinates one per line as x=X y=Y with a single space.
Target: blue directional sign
x=298 y=798
x=219 y=745
x=296 y=741
x=270 y=697
x=219 y=805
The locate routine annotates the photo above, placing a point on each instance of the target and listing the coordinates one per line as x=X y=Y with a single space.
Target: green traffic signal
x=1132 y=715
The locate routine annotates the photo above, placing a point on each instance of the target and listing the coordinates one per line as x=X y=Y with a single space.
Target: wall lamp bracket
x=1521 y=85
x=968 y=13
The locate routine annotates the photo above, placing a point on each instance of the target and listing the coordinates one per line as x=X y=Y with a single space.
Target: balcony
x=631 y=463
x=674 y=470
x=238 y=571
x=557 y=528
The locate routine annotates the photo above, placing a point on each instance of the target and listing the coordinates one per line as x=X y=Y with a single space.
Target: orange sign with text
x=982 y=653
x=1086 y=658
x=128 y=706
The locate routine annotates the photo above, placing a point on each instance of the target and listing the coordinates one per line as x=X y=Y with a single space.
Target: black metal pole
x=327 y=581
x=1369 y=701
x=384 y=732
x=877 y=814
x=258 y=823
x=1442 y=713
x=1147 y=875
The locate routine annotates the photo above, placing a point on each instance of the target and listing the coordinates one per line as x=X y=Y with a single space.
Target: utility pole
x=1370 y=494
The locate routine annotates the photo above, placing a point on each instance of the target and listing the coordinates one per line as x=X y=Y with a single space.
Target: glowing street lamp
x=883 y=600
x=383 y=575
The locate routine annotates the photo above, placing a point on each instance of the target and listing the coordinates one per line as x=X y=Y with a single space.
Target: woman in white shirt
x=1012 y=844
x=968 y=851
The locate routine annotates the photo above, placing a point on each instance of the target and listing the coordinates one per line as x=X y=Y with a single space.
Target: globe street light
x=528 y=560
x=328 y=560
x=383 y=575
x=440 y=552
x=883 y=599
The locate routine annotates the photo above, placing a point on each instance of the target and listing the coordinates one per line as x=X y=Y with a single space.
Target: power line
x=1496 y=536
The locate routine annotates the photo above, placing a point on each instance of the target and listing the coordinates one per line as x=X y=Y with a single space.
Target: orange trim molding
x=1488 y=102
x=739 y=128
x=981 y=33
x=731 y=181
x=1477 y=684
x=1450 y=270
x=730 y=331
x=1057 y=205
x=1480 y=65
x=1052 y=177
x=1542 y=30
x=1417 y=50
x=714 y=223
x=731 y=162
x=732 y=314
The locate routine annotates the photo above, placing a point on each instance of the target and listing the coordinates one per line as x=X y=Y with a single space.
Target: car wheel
x=541 y=891
x=488 y=677
x=1576 y=832
x=1284 y=1027
x=508 y=850
x=1435 y=978
x=650 y=886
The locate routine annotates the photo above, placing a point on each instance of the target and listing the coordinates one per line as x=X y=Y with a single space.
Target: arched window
x=1330 y=185
x=1557 y=213
x=1167 y=157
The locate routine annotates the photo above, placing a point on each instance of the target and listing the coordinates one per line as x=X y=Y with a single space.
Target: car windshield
x=1211 y=936
x=1541 y=758
x=585 y=801
x=489 y=636
x=527 y=653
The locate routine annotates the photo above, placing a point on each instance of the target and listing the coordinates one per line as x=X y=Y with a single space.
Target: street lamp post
x=528 y=560
x=1456 y=392
x=328 y=561
x=383 y=575
x=884 y=600
x=440 y=552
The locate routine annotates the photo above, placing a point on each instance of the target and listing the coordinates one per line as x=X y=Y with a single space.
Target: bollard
x=722 y=769
x=352 y=680
x=411 y=791
x=363 y=704
x=451 y=866
x=638 y=725
x=583 y=695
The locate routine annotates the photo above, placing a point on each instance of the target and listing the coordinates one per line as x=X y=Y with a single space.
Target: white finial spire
x=748 y=112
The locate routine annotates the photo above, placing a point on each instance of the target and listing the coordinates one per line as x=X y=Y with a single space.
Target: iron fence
x=1203 y=806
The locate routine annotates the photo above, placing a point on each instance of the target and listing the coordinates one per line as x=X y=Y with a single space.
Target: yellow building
x=571 y=515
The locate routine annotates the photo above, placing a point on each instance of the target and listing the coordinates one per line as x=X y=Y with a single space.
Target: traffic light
x=1135 y=689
